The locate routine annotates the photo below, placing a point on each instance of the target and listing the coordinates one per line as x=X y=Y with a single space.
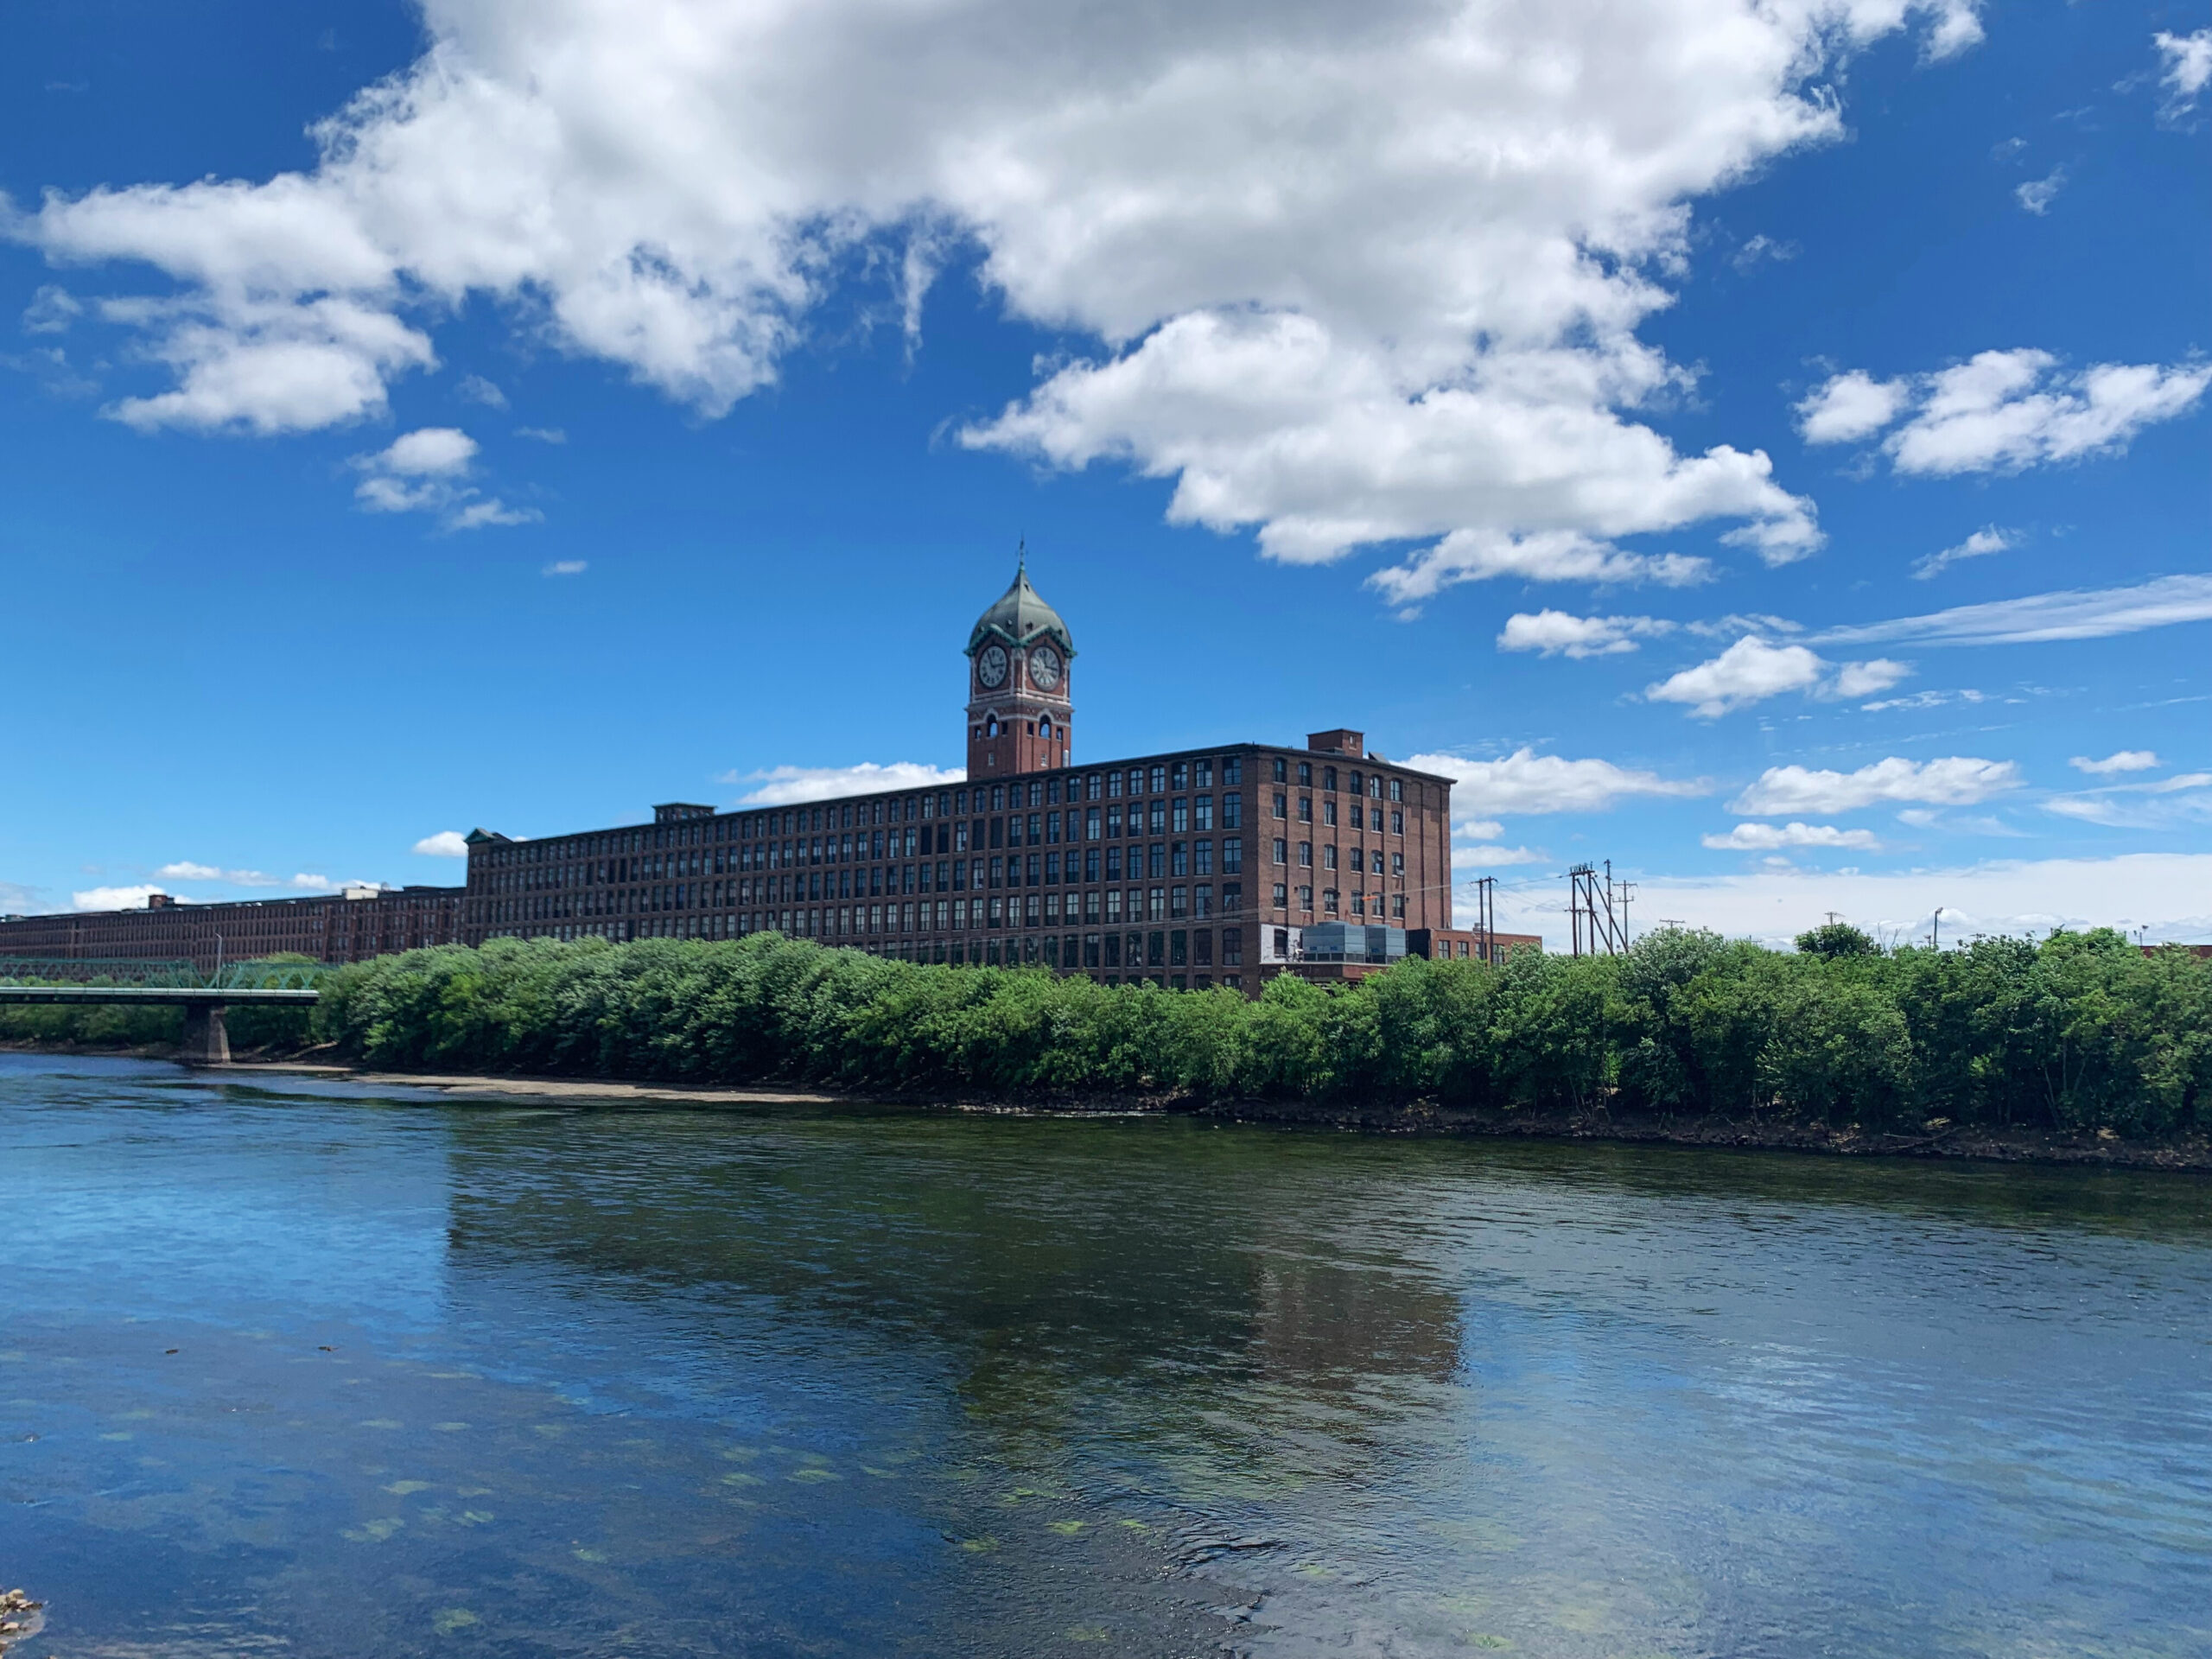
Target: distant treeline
x=2081 y=1032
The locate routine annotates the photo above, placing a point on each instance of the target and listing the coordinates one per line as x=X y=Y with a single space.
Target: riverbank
x=1770 y=1131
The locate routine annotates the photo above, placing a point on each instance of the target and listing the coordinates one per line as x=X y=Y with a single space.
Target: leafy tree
x=1833 y=940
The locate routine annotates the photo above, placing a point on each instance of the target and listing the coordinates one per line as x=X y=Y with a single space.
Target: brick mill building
x=351 y=925
x=1217 y=866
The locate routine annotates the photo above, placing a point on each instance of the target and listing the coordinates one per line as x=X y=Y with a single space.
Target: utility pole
x=1486 y=917
x=1936 y=930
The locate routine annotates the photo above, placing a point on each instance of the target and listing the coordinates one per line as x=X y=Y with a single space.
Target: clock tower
x=1018 y=712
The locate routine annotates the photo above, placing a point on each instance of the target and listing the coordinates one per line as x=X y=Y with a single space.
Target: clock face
x=1044 y=668
x=990 y=667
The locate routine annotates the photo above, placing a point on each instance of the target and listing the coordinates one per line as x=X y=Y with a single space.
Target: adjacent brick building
x=1193 y=867
x=349 y=926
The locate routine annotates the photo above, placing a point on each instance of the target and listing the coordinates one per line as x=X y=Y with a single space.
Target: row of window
x=1107 y=905
x=1357 y=860
x=1352 y=818
x=1362 y=904
x=1372 y=784
x=1041 y=792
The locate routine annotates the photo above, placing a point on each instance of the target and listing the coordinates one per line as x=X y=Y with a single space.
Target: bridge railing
x=256 y=974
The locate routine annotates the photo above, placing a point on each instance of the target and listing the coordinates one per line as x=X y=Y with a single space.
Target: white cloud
x=2036 y=195
x=428 y=451
x=1851 y=406
x=1763 y=246
x=1350 y=274
x=51 y=311
x=1766 y=837
x=2080 y=613
x=1481 y=855
x=790 y=785
x=1930 y=699
x=475 y=514
x=1984 y=542
x=1955 y=781
x=426 y=471
x=2121 y=761
x=1751 y=670
x=2188 y=67
x=1525 y=782
x=133 y=897
x=542 y=434
x=566 y=568
x=187 y=870
x=475 y=389
x=447 y=843
x=2002 y=412
x=1556 y=633
x=248 y=362
x=2169 y=804
x=1549 y=555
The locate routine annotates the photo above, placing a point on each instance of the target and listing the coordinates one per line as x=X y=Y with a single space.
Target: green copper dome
x=1021 y=619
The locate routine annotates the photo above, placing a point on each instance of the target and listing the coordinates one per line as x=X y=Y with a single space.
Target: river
x=297 y=1369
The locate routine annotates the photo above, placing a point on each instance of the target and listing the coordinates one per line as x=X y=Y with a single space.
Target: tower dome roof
x=1020 y=618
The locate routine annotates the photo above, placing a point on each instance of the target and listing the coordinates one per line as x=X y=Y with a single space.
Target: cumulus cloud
x=426 y=471
x=1525 y=782
x=131 y=898
x=2120 y=760
x=1984 y=542
x=1751 y=670
x=2188 y=67
x=1955 y=781
x=2036 y=195
x=791 y=785
x=2079 y=613
x=566 y=568
x=1557 y=633
x=1348 y=275
x=475 y=389
x=1849 y=407
x=447 y=843
x=2001 y=412
x=1767 y=837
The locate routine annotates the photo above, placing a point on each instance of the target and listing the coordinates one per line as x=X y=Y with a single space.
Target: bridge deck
x=159 y=995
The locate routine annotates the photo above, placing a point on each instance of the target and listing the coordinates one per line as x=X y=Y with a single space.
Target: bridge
x=204 y=998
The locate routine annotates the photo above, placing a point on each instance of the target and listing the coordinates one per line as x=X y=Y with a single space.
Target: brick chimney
x=1340 y=741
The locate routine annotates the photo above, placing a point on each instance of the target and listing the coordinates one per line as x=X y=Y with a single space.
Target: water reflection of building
x=1046 y=1275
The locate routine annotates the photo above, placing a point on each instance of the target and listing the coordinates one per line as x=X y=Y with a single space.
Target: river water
x=289 y=1370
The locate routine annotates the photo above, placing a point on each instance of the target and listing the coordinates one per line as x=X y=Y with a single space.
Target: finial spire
x=1022 y=558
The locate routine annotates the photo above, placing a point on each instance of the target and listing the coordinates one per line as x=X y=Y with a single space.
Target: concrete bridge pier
x=206 y=1038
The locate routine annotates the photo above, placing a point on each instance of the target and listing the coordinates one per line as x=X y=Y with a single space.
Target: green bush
x=2081 y=1032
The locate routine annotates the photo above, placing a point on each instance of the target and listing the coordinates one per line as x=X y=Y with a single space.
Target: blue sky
x=1766 y=448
